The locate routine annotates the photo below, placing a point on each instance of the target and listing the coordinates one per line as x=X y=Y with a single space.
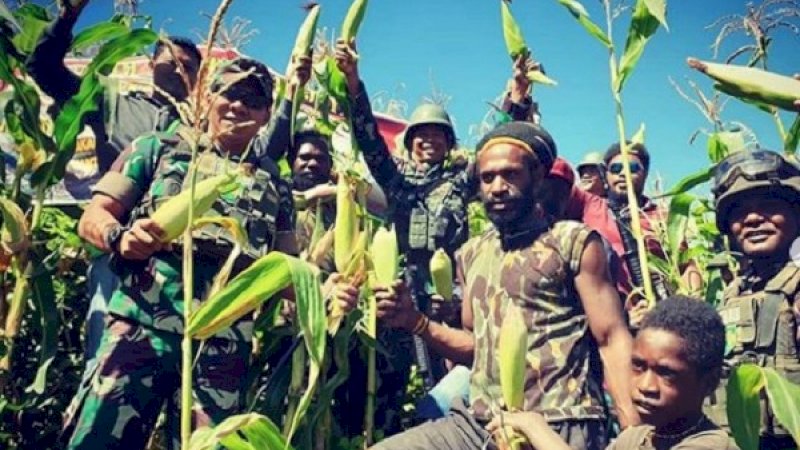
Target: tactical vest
x=254 y=202
x=760 y=329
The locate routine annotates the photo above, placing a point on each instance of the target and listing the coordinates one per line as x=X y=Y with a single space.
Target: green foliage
x=792 y=137
x=243 y=432
x=647 y=16
x=580 y=14
x=32 y=19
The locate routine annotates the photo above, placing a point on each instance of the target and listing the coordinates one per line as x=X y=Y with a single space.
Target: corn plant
x=747 y=388
x=647 y=17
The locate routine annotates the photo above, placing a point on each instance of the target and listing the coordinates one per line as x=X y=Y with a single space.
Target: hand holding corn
x=347 y=62
x=338 y=290
x=395 y=306
x=142 y=240
x=530 y=424
x=299 y=73
x=519 y=84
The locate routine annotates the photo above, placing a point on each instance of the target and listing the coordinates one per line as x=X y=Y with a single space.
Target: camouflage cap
x=258 y=72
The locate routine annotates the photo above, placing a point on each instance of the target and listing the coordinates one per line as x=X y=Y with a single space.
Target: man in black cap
x=555 y=275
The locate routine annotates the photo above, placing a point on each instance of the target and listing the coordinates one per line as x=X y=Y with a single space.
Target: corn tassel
x=173 y=215
x=346 y=224
x=750 y=83
x=441 y=267
x=246 y=292
x=353 y=19
x=385 y=256
x=513 y=347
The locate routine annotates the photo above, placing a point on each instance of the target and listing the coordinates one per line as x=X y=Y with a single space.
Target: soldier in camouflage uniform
x=557 y=274
x=139 y=358
x=758 y=206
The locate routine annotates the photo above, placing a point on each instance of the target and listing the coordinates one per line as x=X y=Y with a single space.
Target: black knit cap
x=634 y=149
x=536 y=137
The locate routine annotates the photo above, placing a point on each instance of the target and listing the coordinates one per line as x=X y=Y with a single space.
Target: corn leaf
x=33 y=19
x=515 y=42
x=70 y=120
x=103 y=31
x=783 y=399
x=311 y=317
x=582 y=16
x=638 y=137
x=792 y=137
x=677 y=220
x=643 y=26
x=245 y=431
x=743 y=407
x=246 y=292
x=689 y=182
x=714 y=287
x=717 y=150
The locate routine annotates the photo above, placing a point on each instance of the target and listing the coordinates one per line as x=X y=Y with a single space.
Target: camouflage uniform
x=139 y=360
x=562 y=375
x=760 y=328
x=307 y=222
x=428 y=206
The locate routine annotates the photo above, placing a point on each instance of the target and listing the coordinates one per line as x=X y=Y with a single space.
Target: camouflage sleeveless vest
x=254 y=202
x=760 y=329
x=562 y=356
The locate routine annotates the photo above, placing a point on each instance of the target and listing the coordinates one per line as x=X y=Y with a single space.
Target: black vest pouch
x=746 y=329
x=767 y=324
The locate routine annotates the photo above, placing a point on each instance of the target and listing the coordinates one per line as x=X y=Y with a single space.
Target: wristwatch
x=113 y=237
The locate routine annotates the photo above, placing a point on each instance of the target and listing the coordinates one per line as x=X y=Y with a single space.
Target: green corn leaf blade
x=70 y=121
x=43 y=298
x=33 y=19
x=103 y=31
x=247 y=291
x=643 y=26
x=792 y=137
x=313 y=324
x=242 y=432
x=202 y=439
x=580 y=14
x=689 y=182
x=677 y=220
x=743 y=407
x=783 y=399
x=714 y=287
x=515 y=42
x=717 y=150
x=658 y=9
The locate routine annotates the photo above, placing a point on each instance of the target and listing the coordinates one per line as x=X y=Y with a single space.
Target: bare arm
x=102 y=213
x=397 y=309
x=607 y=324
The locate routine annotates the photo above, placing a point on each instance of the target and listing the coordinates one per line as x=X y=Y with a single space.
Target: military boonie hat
x=528 y=136
x=260 y=74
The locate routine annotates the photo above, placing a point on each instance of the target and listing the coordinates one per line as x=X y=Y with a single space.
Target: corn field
x=301 y=363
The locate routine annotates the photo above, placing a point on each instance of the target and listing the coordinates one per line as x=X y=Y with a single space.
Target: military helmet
x=745 y=171
x=592 y=159
x=429 y=114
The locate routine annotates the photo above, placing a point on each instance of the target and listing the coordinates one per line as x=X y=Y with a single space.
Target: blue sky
x=459 y=44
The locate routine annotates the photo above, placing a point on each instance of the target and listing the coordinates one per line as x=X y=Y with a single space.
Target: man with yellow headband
x=557 y=274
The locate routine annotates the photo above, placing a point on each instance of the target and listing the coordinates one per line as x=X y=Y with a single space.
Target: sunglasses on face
x=243 y=92
x=616 y=168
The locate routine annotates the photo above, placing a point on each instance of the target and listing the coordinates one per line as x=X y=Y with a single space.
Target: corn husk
x=14 y=234
x=512 y=348
x=385 y=255
x=173 y=215
x=441 y=267
x=346 y=224
x=353 y=19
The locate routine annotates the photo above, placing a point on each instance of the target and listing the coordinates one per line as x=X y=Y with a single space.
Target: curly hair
x=313 y=137
x=698 y=324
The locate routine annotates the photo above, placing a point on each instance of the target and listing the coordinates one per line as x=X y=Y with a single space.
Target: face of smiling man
x=763 y=227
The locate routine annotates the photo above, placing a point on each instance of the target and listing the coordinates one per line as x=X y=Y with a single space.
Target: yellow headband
x=507 y=140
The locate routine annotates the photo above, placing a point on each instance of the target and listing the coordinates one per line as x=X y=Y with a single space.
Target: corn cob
x=346 y=224
x=513 y=346
x=14 y=235
x=353 y=19
x=441 y=268
x=384 y=254
x=173 y=215
x=750 y=83
x=355 y=273
x=256 y=284
x=305 y=35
